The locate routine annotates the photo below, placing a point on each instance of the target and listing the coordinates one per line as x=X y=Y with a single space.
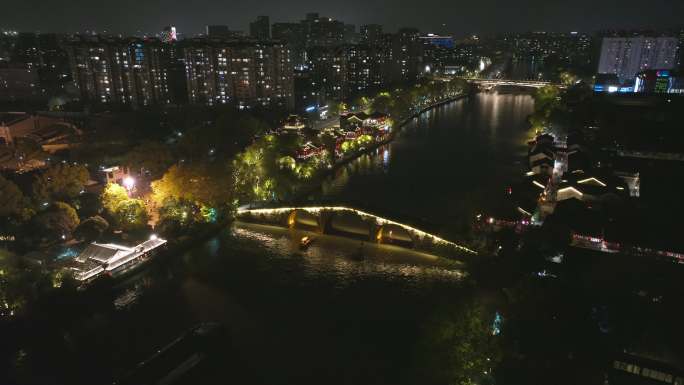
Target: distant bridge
x=509 y=82
x=350 y=221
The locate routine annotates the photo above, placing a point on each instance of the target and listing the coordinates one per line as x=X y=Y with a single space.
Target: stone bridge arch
x=394 y=234
x=349 y=223
x=299 y=218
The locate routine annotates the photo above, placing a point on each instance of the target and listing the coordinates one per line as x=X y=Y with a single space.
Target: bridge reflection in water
x=351 y=222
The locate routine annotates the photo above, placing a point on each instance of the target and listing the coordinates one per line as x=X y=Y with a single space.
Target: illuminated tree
x=538 y=121
x=360 y=103
x=546 y=99
x=207 y=184
x=60 y=182
x=131 y=215
x=287 y=162
x=180 y=210
x=112 y=196
x=342 y=107
x=568 y=78
x=251 y=174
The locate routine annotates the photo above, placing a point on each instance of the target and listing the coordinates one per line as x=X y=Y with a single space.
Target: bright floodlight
x=129 y=182
x=153 y=237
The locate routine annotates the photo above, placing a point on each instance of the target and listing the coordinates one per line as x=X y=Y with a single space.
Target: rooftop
x=8 y=118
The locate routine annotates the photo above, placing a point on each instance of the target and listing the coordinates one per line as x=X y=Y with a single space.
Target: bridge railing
x=379 y=220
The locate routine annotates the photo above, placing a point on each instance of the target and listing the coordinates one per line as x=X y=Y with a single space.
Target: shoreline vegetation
x=184 y=201
x=177 y=246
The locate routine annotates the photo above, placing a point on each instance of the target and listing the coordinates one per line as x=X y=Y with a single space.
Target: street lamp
x=129 y=183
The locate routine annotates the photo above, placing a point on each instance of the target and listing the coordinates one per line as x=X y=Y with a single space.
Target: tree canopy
x=92 y=228
x=458 y=347
x=206 y=183
x=112 y=196
x=154 y=157
x=61 y=182
x=221 y=140
x=11 y=198
x=131 y=215
x=58 y=220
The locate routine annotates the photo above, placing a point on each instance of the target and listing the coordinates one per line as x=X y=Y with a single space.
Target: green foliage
x=128 y=214
x=228 y=136
x=204 y=183
x=266 y=169
x=356 y=144
x=20 y=281
x=131 y=215
x=251 y=173
x=91 y=229
x=112 y=196
x=181 y=210
x=11 y=198
x=458 y=345
x=546 y=101
x=57 y=220
x=568 y=78
x=287 y=162
x=90 y=204
x=342 y=107
x=382 y=103
x=60 y=182
x=154 y=157
x=360 y=103
x=329 y=142
x=177 y=216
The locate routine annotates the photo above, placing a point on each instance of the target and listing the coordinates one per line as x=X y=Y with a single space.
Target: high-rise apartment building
x=241 y=73
x=626 y=56
x=328 y=71
x=293 y=35
x=403 y=55
x=323 y=31
x=120 y=71
x=371 y=33
x=260 y=28
x=44 y=56
x=220 y=31
x=364 y=69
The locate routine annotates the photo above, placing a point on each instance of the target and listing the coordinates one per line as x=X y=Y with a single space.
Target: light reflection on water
x=445 y=165
x=335 y=257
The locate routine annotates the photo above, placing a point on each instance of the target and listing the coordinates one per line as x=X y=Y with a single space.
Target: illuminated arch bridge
x=351 y=222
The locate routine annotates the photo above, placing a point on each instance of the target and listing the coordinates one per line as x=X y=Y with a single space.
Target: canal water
x=444 y=167
x=323 y=315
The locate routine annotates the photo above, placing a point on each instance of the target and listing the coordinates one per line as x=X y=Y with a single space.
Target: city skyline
x=433 y=16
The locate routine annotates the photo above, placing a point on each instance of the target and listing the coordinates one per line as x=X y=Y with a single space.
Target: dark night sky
x=460 y=17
